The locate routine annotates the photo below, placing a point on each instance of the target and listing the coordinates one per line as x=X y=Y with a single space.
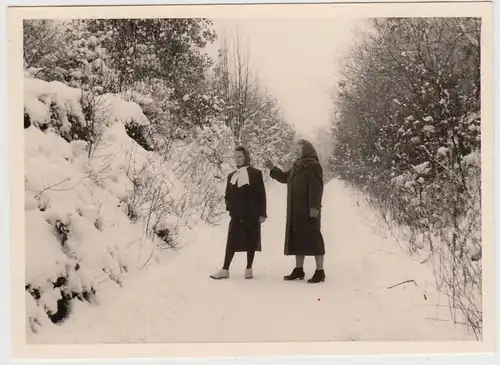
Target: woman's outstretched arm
x=279 y=175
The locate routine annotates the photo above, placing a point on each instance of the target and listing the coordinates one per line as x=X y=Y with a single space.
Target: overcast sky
x=296 y=61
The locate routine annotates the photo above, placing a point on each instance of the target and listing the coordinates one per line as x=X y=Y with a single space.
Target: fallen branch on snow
x=403 y=282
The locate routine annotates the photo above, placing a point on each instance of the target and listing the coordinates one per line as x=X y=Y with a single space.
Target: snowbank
x=90 y=220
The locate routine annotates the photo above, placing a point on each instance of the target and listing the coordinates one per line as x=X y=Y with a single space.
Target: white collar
x=240 y=177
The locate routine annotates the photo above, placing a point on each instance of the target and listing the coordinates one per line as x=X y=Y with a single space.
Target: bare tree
x=252 y=114
x=238 y=83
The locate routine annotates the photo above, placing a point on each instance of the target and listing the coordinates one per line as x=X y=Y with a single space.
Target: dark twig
x=447 y=320
x=50 y=187
x=403 y=282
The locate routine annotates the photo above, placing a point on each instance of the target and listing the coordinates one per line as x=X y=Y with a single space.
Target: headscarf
x=308 y=155
x=246 y=154
x=240 y=176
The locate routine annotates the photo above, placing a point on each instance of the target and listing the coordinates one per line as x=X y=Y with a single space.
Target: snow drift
x=90 y=217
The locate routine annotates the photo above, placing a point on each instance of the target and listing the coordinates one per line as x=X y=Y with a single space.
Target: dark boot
x=318 y=277
x=297 y=273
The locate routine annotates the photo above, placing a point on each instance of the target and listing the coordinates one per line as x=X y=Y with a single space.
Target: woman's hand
x=262 y=220
x=314 y=213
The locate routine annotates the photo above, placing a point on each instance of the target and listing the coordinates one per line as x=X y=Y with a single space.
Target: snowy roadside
x=89 y=222
x=177 y=302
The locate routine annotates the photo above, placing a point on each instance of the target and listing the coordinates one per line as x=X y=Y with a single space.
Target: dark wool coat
x=245 y=205
x=304 y=191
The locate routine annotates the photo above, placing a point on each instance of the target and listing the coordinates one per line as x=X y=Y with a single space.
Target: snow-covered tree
x=74 y=55
x=145 y=50
x=407 y=131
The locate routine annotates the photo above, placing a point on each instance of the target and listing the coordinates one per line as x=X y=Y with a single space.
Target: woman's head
x=305 y=149
x=298 y=150
x=241 y=157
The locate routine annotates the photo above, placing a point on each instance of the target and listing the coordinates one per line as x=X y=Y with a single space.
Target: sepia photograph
x=228 y=179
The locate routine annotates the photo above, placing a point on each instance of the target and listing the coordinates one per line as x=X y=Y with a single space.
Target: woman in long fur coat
x=303 y=218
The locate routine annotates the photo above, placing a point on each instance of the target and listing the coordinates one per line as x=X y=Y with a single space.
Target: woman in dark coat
x=245 y=199
x=303 y=219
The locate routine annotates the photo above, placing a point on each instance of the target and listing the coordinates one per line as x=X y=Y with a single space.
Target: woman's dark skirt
x=244 y=235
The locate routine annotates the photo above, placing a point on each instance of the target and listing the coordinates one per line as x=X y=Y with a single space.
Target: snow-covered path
x=178 y=302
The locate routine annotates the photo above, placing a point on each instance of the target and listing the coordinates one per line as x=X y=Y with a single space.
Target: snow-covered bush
x=53 y=105
x=202 y=165
x=407 y=133
x=79 y=229
x=71 y=53
x=77 y=114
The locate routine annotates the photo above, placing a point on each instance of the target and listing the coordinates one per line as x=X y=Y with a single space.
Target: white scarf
x=240 y=177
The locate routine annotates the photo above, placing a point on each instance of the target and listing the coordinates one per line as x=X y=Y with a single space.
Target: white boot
x=221 y=274
x=248 y=273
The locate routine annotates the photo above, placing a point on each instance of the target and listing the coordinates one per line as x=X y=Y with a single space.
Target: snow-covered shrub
x=71 y=53
x=78 y=233
x=155 y=99
x=203 y=165
x=139 y=134
x=407 y=133
x=81 y=115
x=52 y=105
x=167 y=231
